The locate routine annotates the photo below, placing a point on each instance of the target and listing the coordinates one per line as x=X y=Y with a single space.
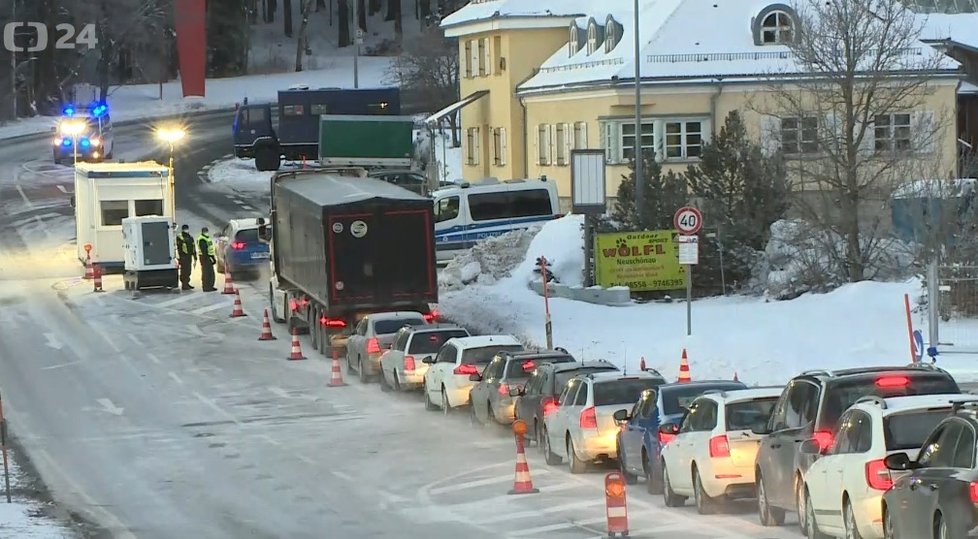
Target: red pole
x=546 y=303
x=913 y=345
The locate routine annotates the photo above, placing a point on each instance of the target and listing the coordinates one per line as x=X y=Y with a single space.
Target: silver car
x=403 y=366
x=373 y=336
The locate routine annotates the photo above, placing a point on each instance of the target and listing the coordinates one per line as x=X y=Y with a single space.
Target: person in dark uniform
x=205 y=246
x=187 y=250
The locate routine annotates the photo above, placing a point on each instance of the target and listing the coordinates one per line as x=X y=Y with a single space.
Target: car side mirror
x=669 y=428
x=810 y=447
x=760 y=429
x=516 y=391
x=428 y=361
x=621 y=416
x=899 y=461
x=475 y=377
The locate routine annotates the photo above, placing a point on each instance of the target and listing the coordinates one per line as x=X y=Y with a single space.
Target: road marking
x=343 y=475
x=152 y=357
x=52 y=341
x=280 y=392
x=196 y=330
x=62 y=188
x=535 y=513
x=269 y=439
x=23 y=195
x=134 y=340
x=472 y=484
x=209 y=308
x=556 y=527
x=213 y=406
x=181 y=299
x=109 y=406
x=247 y=207
x=175 y=377
x=70 y=363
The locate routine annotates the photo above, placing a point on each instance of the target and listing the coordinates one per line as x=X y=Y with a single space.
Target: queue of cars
x=875 y=452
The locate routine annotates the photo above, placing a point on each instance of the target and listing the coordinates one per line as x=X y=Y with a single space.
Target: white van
x=474 y=211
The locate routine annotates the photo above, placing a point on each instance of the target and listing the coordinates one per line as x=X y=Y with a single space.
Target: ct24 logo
x=32 y=36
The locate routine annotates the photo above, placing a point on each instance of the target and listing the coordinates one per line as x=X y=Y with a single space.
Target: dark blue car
x=639 y=439
x=239 y=249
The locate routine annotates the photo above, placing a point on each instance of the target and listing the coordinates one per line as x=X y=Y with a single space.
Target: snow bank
x=240 y=175
x=488 y=261
x=562 y=242
x=26 y=518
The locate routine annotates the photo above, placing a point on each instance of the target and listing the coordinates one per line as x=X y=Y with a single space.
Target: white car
x=583 y=428
x=712 y=457
x=448 y=381
x=402 y=367
x=844 y=487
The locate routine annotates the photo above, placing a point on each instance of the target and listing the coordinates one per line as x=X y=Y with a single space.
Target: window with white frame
x=799 y=135
x=472 y=146
x=611 y=35
x=482 y=57
x=499 y=146
x=628 y=139
x=683 y=139
x=776 y=28
x=543 y=144
x=563 y=144
x=468 y=59
x=592 y=38
x=572 y=40
x=580 y=135
x=891 y=132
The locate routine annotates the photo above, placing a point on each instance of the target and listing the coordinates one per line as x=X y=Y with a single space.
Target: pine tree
x=664 y=193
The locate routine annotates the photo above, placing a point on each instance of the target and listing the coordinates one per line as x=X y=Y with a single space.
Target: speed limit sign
x=688 y=220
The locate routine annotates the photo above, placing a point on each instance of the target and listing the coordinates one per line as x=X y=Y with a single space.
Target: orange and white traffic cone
x=684 y=368
x=97 y=276
x=522 y=482
x=616 y=505
x=89 y=271
x=296 y=347
x=641 y=365
x=228 y=284
x=336 y=380
x=238 y=309
x=266 y=329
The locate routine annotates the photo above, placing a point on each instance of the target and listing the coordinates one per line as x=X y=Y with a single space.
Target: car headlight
x=96 y=141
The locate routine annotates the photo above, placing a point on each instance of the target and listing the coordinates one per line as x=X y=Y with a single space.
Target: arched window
x=612 y=32
x=777 y=27
x=594 y=37
x=572 y=40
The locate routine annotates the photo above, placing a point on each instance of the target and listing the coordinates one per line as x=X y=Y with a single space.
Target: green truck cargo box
x=366 y=140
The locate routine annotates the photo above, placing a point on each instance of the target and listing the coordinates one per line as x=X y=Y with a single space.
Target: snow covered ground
x=142 y=101
x=763 y=341
x=25 y=518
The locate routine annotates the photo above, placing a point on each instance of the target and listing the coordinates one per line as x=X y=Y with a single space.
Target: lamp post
x=639 y=182
x=171 y=136
x=73 y=128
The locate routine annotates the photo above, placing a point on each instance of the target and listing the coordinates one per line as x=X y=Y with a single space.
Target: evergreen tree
x=664 y=193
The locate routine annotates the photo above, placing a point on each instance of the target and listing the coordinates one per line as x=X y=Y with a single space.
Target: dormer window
x=612 y=32
x=777 y=27
x=595 y=36
x=572 y=40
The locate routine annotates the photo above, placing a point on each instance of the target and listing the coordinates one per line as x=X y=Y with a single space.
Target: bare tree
x=343 y=17
x=287 y=17
x=859 y=109
x=302 y=44
x=428 y=67
x=394 y=14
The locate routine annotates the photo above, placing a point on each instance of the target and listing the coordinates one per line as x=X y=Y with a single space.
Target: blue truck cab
x=296 y=137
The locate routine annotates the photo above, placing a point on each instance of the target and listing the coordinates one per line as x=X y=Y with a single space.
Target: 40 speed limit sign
x=688 y=220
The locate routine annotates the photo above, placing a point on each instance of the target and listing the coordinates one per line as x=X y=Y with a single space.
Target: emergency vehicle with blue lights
x=83 y=134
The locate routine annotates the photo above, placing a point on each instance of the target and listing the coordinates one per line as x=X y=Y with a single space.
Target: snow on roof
x=482 y=341
x=478 y=10
x=958 y=27
x=967 y=88
x=740 y=395
x=936 y=188
x=685 y=39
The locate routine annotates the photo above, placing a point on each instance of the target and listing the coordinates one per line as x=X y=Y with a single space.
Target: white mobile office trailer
x=149 y=249
x=107 y=193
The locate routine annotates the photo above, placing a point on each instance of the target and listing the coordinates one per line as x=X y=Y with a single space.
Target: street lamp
x=171 y=136
x=73 y=128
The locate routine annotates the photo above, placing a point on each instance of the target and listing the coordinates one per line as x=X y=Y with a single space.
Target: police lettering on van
x=475 y=211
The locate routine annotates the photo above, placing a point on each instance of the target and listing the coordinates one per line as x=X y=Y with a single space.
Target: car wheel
x=705 y=505
x=361 y=372
x=802 y=511
x=474 y=417
x=397 y=382
x=653 y=481
x=852 y=529
x=384 y=385
x=941 y=530
x=576 y=465
x=889 y=526
x=769 y=515
x=670 y=498
x=490 y=418
x=446 y=407
x=428 y=405
x=811 y=526
x=630 y=478
x=548 y=453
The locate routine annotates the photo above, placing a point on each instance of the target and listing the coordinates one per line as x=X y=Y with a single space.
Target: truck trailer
x=344 y=245
x=296 y=137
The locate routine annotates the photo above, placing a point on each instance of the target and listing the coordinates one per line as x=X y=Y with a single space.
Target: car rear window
x=564 y=376
x=909 y=430
x=843 y=394
x=483 y=355
x=675 y=399
x=248 y=235
x=749 y=414
x=387 y=327
x=429 y=342
x=522 y=367
x=622 y=391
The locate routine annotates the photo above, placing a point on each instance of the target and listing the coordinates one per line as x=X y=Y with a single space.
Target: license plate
x=259 y=255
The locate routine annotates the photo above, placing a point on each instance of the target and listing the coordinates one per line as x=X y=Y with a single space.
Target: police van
x=471 y=212
x=83 y=135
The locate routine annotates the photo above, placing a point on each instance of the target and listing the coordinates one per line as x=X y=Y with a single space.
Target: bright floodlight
x=72 y=128
x=170 y=135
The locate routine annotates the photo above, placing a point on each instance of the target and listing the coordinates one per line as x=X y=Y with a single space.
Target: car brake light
x=373 y=346
x=589 y=419
x=719 y=446
x=892 y=381
x=238 y=245
x=468 y=370
x=973 y=489
x=666 y=438
x=332 y=322
x=824 y=439
x=433 y=315
x=529 y=365
x=549 y=406
x=503 y=390
x=878 y=476
x=294 y=305
x=409 y=363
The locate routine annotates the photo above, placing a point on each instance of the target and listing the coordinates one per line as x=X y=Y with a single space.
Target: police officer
x=205 y=246
x=187 y=250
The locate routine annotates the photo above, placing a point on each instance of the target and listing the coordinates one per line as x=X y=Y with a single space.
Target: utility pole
x=639 y=181
x=356 y=43
x=13 y=65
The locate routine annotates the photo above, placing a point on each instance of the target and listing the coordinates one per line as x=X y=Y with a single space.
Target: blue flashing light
x=66 y=141
x=84 y=143
x=99 y=109
x=68 y=111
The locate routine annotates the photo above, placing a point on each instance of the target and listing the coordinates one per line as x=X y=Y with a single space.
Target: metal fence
x=952 y=307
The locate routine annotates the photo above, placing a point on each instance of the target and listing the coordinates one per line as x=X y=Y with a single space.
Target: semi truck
x=296 y=137
x=344 y=245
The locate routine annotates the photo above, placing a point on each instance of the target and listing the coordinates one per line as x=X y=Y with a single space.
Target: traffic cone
x=266 y=329
x=97 y=276
x=228 y=284
x=296 y=348
x=89 y=271
x=522 y=483
x=684 y=369
x=337 y=378
x=238 y=310
x=641 y=365
x=735 y=377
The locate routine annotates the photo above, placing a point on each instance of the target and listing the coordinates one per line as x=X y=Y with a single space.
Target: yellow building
x=542 y=77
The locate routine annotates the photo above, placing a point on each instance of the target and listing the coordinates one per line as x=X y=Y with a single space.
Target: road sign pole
x=689 y=299
x=688 y=221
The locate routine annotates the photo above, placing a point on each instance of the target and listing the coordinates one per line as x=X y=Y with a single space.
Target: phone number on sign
x=662 y=284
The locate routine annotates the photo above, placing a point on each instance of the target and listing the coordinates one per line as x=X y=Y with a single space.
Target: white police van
x=471 y=212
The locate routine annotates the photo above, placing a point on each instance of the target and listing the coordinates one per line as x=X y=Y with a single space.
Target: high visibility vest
x=209 y=242
x=186 y=247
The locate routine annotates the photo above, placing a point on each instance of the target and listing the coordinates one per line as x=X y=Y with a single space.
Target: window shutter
x=488 y=58
x=536 y=145
x=612 y=142
x=770 y=135
x=473 y=60
x=583 y=135
x=868 y=144
x=502 y=146
x=568 y=142
x=552 y=146
x=467 y=59
x=926 y=132
x=476 y=145
x=830 y=134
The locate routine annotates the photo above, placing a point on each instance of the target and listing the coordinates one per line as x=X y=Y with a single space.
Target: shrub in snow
x=488 y=260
